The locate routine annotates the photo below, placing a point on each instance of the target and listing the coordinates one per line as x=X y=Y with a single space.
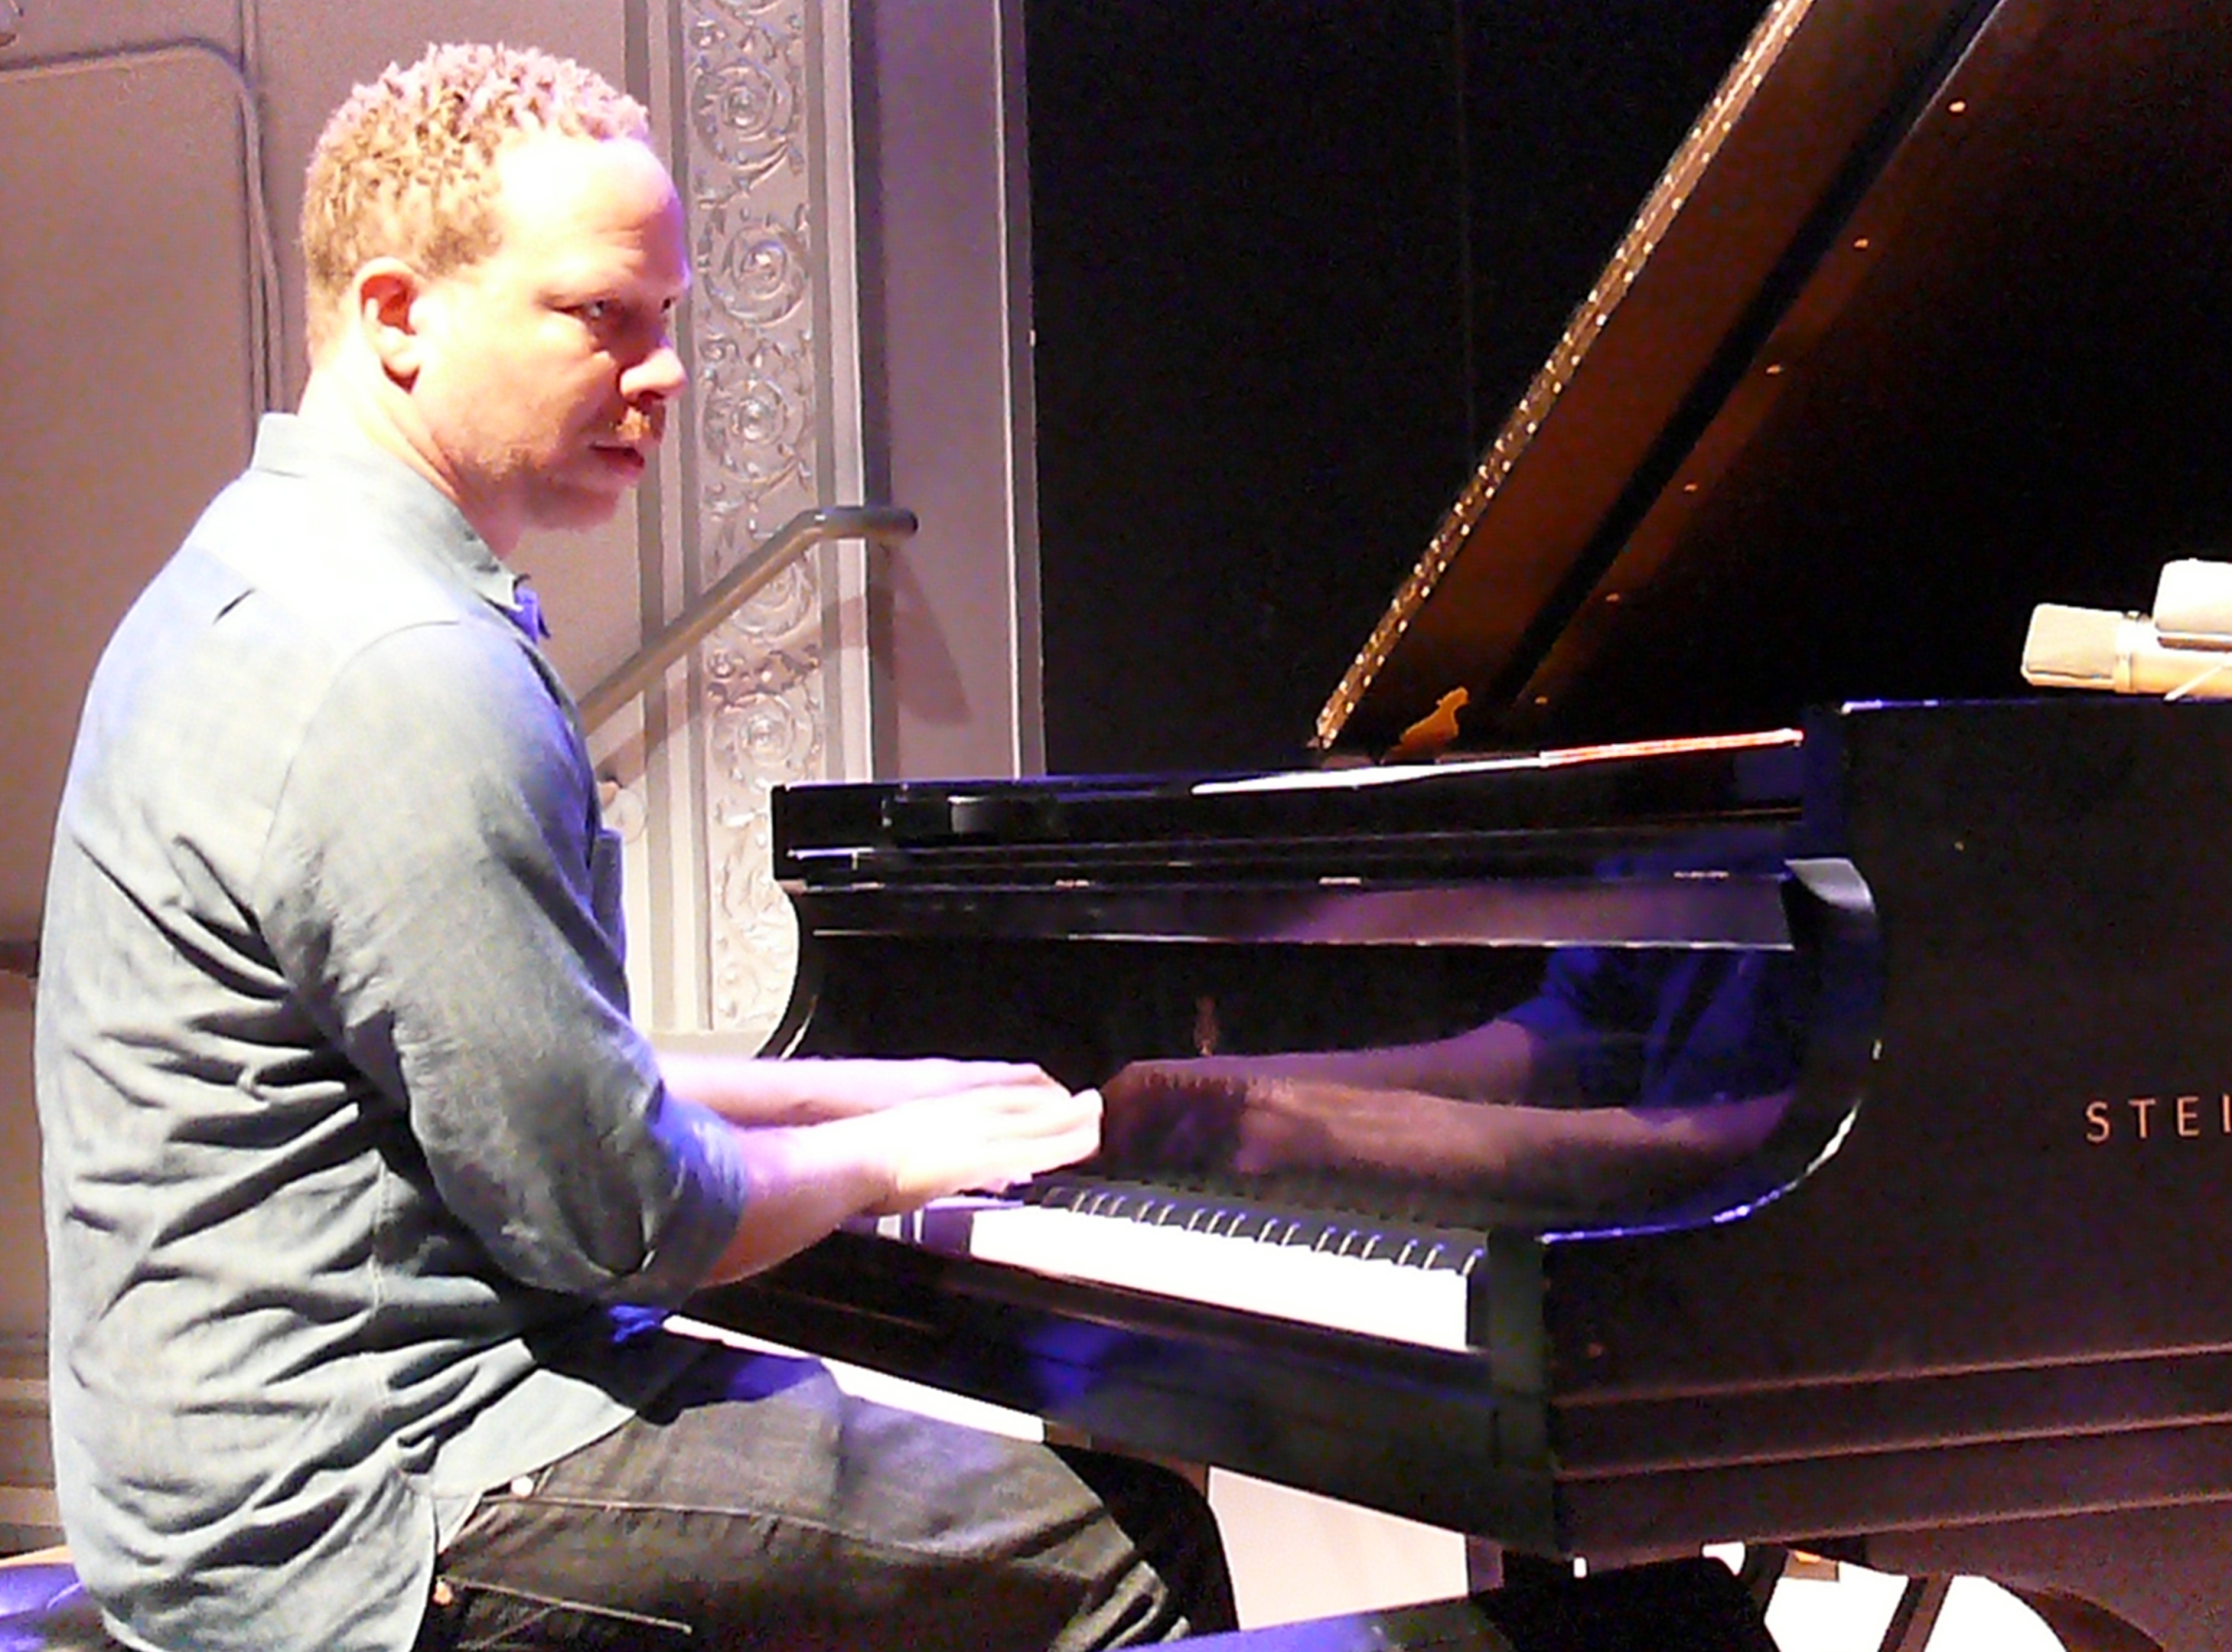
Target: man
x=354 y=1164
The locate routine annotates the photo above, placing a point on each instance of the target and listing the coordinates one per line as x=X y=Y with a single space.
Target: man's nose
x=658 y=377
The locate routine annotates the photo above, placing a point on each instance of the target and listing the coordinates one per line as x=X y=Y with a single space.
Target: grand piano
x=1861 y=1183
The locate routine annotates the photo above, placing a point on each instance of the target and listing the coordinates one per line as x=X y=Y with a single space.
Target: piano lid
x=1924 y=323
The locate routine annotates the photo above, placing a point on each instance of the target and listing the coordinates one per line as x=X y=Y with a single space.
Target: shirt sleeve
x=431 y=891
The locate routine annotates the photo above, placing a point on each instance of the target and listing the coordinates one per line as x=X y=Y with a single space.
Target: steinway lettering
x=2152 y=1119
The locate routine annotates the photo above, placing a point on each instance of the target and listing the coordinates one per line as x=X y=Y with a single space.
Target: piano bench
x=1694 y=1605
x=43 y=1608
x=1444 y=1626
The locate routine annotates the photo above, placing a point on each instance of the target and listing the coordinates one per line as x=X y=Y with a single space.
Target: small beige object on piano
x=2183 y=650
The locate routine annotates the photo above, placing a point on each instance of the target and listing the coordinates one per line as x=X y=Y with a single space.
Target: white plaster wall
x=126 y=388
x=127 y=369
x=945 y=249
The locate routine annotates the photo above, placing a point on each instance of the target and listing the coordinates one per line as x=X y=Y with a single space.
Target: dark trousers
x=760 y=1506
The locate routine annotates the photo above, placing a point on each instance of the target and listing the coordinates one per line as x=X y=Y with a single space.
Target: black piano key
x=1362 y=1238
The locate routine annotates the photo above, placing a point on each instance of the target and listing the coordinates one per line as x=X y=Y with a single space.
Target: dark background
x=1291 y=262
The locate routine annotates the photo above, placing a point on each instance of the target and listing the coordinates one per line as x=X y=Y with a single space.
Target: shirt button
x=523 y=1486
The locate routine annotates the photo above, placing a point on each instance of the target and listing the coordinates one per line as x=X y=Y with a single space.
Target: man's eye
x=597 y=311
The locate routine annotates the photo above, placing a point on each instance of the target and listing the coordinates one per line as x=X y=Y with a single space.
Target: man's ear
x=383 y=301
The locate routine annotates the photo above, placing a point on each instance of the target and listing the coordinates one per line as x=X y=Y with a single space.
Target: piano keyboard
x=1408 y=1286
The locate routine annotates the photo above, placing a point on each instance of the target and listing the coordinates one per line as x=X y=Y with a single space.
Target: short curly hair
x=406 y=166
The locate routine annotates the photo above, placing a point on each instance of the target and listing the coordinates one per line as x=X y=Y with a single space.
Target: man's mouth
x=630 y=461
x=627 y=449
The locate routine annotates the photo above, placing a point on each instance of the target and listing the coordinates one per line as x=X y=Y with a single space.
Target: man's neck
x=337 y=399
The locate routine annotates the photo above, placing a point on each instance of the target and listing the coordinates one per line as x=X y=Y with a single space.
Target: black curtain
x=1292 y=262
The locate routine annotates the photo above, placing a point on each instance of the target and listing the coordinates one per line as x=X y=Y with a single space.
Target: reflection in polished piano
x=1624 y=1141
x=1639 y=1083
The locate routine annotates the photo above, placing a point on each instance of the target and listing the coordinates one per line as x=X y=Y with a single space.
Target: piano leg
x=2082 y=1626
x=1916 y=1615
x=2146 y=1579
x=1762 y=1569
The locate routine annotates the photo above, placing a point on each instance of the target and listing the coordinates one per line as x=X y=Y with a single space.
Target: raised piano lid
x=1924 y=323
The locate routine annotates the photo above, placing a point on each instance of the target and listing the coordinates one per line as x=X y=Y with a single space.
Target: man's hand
x=944 y=1127
x=995 y=1130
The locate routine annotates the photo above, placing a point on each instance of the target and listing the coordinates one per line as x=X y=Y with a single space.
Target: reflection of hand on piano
x=1226 y=1113
x=1314 y=1109
x=1301 y=1113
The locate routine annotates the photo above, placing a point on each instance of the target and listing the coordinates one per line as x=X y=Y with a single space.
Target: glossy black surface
x=1651 y=909
x=1992 y=1295
x=1290 y=261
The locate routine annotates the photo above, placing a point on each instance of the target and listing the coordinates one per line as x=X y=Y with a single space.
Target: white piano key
x=1374 y=1297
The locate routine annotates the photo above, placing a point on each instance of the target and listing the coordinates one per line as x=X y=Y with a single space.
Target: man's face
x=547 y=367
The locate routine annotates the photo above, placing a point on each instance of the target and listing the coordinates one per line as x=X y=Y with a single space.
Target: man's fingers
x=991 y=1137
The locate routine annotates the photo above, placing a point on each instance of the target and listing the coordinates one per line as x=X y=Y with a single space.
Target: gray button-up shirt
x=350 y=1145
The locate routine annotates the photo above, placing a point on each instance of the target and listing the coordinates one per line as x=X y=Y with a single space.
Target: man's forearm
x=804 y=1181
x=753 y=1091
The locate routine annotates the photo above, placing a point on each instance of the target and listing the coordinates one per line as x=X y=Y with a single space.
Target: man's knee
x=1169 y=1524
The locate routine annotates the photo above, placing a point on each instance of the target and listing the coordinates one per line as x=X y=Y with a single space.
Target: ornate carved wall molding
x=757 y=97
